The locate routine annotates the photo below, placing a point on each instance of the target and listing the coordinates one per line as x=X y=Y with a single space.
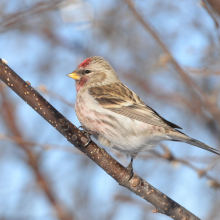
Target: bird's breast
x=112 y=129
x=87 y=112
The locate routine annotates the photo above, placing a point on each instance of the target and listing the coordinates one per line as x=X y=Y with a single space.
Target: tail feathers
x=202 y=145
x=180 y=136
x=196 y=143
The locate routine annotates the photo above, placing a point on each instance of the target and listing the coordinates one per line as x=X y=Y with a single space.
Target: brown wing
x=120 y=99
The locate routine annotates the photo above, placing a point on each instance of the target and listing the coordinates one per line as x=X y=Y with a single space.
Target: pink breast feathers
x=85 y=63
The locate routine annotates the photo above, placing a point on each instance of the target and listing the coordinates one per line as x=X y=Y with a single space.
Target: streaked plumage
x=116 y=116
x=120 y=99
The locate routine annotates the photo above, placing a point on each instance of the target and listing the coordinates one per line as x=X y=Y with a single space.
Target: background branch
x=32 y=158
x=196 y=91
x=205 y=5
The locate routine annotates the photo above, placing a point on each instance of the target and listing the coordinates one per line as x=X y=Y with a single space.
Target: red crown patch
x=85 y=63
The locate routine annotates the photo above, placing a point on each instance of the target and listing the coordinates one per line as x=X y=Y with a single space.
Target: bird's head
x=93 y=71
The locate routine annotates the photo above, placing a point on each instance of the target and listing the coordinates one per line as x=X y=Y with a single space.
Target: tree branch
x=76 y=137
x=196 y=91
x=204 y=4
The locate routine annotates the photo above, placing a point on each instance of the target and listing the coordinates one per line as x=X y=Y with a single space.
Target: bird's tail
x=202 y=145
x=184 y=138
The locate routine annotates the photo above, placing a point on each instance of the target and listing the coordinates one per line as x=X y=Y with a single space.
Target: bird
x=114 y=115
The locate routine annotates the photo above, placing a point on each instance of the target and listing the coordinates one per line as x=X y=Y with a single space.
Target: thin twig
x=15 y=18
x=21 y=141
x=204 y=4
x=202 y=72
x=55 y=95
x=167 y=155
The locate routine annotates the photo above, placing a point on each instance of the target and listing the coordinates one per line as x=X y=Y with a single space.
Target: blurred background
x=41 y=175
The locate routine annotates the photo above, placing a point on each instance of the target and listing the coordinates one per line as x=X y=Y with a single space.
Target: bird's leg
x=130 y=168
x=87 y=134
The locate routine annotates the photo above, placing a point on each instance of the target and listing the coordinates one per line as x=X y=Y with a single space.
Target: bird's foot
x=130 y=169
x=87 y=134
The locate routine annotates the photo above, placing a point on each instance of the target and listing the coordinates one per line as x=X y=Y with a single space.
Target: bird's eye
x=88 y=71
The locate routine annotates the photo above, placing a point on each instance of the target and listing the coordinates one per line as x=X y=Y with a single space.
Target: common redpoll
x=116 y=116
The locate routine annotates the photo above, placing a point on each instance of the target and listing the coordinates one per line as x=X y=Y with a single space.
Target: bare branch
x=167 y=155
x=204 y=4
x=55 y=95
x=196 y=91
x=21 y=141
x=15 y=18
x=215 y=4
x=203 y=71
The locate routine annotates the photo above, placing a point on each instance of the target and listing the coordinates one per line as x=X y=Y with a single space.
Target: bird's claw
x=87 y=134
x=130 y=169
x=81 y=127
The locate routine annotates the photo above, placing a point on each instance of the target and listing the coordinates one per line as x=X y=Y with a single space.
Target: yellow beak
x=74 y=75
